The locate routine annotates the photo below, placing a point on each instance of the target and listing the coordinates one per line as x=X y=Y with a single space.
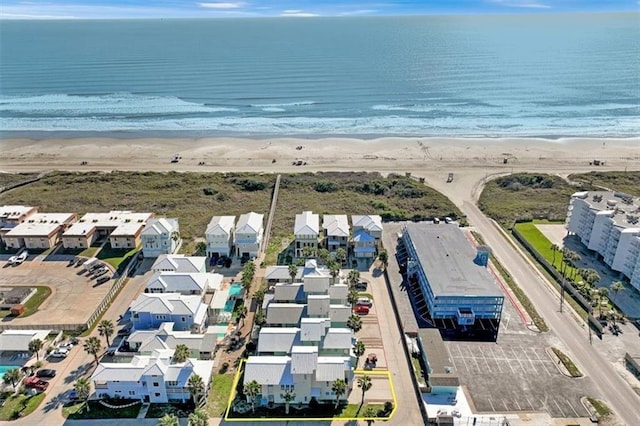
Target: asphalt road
x=572 y=332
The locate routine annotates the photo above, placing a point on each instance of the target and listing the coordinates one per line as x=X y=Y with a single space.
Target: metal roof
x=447 y=259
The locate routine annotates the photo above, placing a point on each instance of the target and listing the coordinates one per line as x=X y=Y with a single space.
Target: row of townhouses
x=305 y=344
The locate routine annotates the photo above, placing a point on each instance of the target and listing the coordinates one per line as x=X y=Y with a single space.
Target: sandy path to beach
x=471 y=160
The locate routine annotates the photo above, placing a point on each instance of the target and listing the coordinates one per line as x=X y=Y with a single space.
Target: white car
x=59 y=353
x=66 y=346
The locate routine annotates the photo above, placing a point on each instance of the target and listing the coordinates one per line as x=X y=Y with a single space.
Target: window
x=156 y=384
x=184 y=319
x=157 y=395
x=132 y=393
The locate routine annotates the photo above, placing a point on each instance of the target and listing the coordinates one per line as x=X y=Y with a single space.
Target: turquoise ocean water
x=541 y=75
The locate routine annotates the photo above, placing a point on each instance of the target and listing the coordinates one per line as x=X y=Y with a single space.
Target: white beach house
x=336 y=232
x=150 y=310
x=160 y=236
x=306 y=231
x=180 y=263
x=248 y=235
x=219 y=236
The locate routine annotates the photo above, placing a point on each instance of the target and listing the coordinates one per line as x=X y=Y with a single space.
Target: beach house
x=336 y=232
x=160 y=236
x=306 y=231
x=305 y=345
x=39 y=231
x=248 y=235
x=367 y=236
x=150 y=310
x=201 y=345
x=122 y=228
x=185 y=283
x=155 y=378
x=179 y=263
x=219 y=236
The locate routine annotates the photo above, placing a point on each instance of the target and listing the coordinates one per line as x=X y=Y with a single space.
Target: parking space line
x=543 y=362
x=562 y=412
x=495 y=359
x=530 y=404
x=526 y=353
x=517 y=405
x=571 y=405
x=453 y=360
x=507 y=360
x=485 y=360
x=474 y=359
x=491 y=403
x=464 y=361
x=519 y=361
x=504 y=402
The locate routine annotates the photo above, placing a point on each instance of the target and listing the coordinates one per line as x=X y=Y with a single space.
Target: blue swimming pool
x=235 y=290
x=5 y=368
x=228 y=307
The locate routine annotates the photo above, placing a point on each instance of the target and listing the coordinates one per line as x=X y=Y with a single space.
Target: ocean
x=494 y=76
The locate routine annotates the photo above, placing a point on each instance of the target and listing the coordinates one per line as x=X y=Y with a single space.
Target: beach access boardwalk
x=272 y=212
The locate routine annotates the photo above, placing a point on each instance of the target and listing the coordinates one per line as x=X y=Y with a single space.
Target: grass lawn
x=88 y=252
x=541 y=244
x=417 y=370
x=13 y=406
x=32 y=305
x=219 y=394
x=527 y=196
x=115 y=257
x=627 y=182
x=600 y=406
x=354 y=410
x=78 y=411
x=566 y=361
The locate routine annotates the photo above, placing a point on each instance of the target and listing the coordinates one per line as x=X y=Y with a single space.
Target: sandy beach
x=469 y=159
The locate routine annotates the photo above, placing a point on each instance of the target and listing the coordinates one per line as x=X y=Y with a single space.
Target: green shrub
x=325 y=186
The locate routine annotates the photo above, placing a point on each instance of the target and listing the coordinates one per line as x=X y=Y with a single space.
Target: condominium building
x=609 y=224
x=39 y=231
x=460 y=293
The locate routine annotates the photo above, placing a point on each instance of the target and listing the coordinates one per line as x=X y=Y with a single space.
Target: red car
x=35 y=383
x=361 y=309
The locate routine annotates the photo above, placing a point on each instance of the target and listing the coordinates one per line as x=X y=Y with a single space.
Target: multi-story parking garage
x=458 y=293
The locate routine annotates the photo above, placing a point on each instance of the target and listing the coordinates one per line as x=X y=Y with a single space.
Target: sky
x=117 y=9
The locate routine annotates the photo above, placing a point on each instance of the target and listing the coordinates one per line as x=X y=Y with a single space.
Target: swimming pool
x=5 y=368
x=228 y=307
x=235 y=290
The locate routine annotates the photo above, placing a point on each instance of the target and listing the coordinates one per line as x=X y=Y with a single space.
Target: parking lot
x=74 y=295
x=516 y=374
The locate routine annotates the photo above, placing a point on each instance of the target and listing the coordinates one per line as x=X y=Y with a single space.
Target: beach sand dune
x=471 y=160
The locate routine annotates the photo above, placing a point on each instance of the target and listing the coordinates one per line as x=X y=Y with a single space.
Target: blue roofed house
x=150 y=310
x=160 y=236
x=248 y=235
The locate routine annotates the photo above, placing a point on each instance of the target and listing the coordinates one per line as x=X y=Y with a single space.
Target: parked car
x=221 y=261
x=364 y=301
x=103 y=279
x=361 y=286
x=59 y=353
x=100 y=272
x=46 y=372
x=35 y=383
x=227 y=263
x=361 y=309
x=65 y=345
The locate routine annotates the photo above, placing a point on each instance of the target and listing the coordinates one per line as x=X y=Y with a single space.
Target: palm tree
x=181 y=354
x=12 y=377
x=365 y=384
x=258 y=296
x=288 y=396
x=92 y=346
x=175 y=236
x=251 y=391
x=603 y=292
x=369 y=413
x=241 y=314
x=259 y=319
x=341 y=256
x=308 y=252
x=324 y=256
x=615 y=288
x=352 y=298
x=353 y=277
x=35 y=346
x=384 y=258
x=334 y=271
x=169 y=419
x=554 y=250
x=201 y=248
x=339 y=388
x=198 y=418
x=82 y=386
x=354 y=323
x=106 y=329
x=592 y=277
x=358 y=350
x=195 y=386
x=293 y=271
